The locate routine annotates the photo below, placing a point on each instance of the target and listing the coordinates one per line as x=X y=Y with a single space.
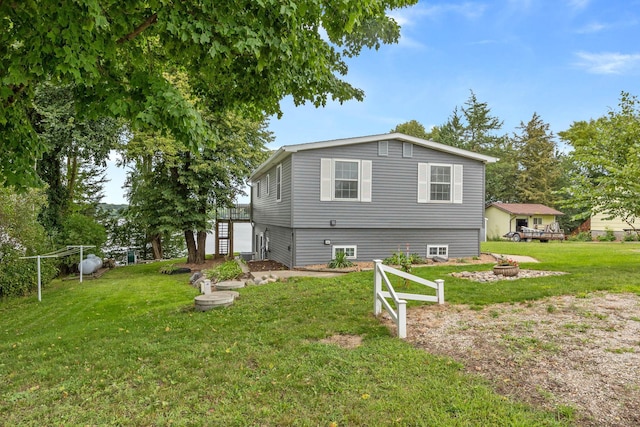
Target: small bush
x=400 y=259
x=583 y=236
x=225 y=271
x=630 y=237
x=340 y=261
x=416 y=259
x=167 y=269
x=608 y=236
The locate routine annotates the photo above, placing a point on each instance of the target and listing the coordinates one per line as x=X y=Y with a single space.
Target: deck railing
x=236 y=213
x=399 y=313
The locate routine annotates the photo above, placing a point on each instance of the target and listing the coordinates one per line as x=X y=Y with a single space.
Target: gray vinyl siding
x=280 y=243
x=394 y=191
x=379 y=244
x=266 y=209
x=298 y=225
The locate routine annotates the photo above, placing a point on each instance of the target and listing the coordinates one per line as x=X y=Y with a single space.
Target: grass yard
x=127 y=349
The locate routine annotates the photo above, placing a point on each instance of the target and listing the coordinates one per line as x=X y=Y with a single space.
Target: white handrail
x=399 y=316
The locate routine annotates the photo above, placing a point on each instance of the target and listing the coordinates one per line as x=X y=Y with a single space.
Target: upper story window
x=439 y=183
x=345 y=179
x=407 y=149
x=279 y=183
x=383 y=148
x=267 y=185
x=258 y=189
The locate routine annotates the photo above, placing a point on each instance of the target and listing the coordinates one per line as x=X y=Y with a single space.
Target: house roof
x=525 y=209
x=286 y=150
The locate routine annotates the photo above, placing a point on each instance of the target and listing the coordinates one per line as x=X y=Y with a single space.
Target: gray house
x=368 y=197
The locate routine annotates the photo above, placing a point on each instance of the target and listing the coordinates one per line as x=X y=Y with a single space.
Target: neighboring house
x=600 y=226
x=505 y=217
x=368 y=197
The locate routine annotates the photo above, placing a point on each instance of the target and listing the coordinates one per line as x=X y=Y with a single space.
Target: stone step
x=228 y=285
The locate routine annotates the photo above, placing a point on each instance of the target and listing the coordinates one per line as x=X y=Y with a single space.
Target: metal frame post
x=39 y=281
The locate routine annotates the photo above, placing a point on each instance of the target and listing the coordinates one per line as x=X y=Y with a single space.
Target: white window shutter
x=365 y=181
x=325 y=180
x=457 y=183
x=423 y=182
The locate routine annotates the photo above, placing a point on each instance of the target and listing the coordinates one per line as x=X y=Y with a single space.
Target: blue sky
x=567 y=60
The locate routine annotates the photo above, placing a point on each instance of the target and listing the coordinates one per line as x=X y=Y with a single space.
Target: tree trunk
x=202 y=246
x=156 y=246
x=191 y=247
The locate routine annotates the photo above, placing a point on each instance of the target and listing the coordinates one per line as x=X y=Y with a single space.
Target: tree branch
x=146 y=24
x=17 y=90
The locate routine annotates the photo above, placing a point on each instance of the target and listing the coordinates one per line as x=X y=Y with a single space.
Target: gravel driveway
x=567 y=354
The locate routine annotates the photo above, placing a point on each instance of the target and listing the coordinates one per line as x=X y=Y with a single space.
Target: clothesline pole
x=39 y=282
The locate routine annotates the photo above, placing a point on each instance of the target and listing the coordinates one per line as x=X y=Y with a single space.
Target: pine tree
x=539 y=166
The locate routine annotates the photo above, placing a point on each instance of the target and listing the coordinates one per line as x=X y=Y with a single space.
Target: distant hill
x=110 y=208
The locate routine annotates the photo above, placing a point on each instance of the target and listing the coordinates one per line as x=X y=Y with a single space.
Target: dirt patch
x=559 y=353
x=344 y=341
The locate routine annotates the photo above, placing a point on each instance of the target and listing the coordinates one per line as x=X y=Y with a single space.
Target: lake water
x=241 y=238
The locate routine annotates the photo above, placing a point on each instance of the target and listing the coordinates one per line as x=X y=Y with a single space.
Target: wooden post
x=402 y=319
x=377 y=287
x=440 y=290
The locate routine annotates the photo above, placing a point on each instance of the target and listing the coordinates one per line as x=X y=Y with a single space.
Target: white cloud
x=608 y=62
x=594 y=27
x=578 y=4
x=409 y=17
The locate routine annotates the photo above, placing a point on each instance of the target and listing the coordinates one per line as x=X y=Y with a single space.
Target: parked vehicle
x=549 y=232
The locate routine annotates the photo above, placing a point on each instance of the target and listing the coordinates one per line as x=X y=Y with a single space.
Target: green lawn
x=127 y=349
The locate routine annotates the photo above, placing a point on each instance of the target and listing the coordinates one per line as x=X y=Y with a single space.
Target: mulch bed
x=266 y=265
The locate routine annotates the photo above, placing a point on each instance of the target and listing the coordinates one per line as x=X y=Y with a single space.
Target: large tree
x=73 y=165
x=606 y=158
x=413 y=128
x=539 y=166
x=117 y=54
x=174 y=188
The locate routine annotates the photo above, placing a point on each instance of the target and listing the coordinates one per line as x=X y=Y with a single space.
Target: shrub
x=416 y=259
x=400 y=259
x=630 y=237
x=22 y=235
x=225 y=271
x=340 y=261
x=583 y=236
x=608 y=236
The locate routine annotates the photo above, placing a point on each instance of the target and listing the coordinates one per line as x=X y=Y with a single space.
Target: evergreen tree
x=477 y=130
x=539 y=167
